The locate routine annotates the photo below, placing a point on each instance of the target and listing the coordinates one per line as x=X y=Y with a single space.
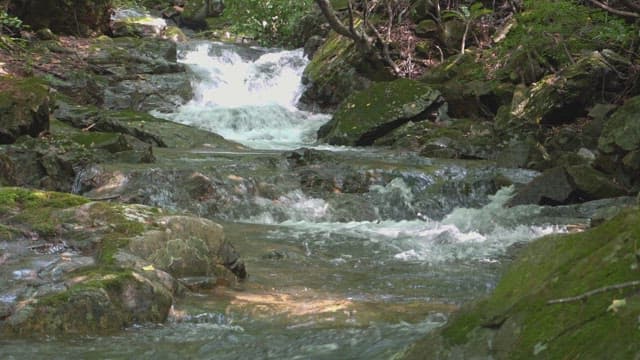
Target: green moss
x=93 y=138
x=561 y=267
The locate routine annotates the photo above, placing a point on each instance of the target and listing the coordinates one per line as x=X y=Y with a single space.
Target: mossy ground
x=558 y=267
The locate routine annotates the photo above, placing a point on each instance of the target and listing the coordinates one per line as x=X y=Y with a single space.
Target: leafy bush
x=9 y=24
x=268 y=21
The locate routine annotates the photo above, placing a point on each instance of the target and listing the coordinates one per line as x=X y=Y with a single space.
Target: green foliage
x=553 y=32
x=267 y=21
x=9 y=23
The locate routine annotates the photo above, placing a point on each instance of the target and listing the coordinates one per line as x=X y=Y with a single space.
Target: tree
x=365 y=35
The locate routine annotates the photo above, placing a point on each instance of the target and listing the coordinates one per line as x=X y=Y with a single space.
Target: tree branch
x=594 y=292
x=608 y=8
x=631 y=5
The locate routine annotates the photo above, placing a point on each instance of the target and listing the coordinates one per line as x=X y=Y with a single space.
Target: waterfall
x=248 y=95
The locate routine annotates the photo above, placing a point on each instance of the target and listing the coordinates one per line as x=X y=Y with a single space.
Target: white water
x=482 y=234
x=250 y=99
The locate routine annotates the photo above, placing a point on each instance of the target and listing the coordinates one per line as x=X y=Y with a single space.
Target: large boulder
x=565 y=296
x=621 y=132
x=567 y=185
x=561 y=98
x=139 y=74
x=24 y=108
x=371 y=114
x=336 y=71
x=186 y=246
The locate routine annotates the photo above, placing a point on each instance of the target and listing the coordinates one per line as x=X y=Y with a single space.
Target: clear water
x=319 y=288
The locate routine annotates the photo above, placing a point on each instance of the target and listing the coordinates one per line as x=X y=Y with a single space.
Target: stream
x=332 y=276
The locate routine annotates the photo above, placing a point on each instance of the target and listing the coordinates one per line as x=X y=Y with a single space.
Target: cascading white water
x=250 y=99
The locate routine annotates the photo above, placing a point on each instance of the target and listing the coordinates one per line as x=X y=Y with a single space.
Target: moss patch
x=522 y=322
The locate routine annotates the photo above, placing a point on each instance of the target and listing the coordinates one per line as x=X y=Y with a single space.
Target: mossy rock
x=25 y=105
x=186 y=246
x=562 y=98
x=99 y=301
x=336 y=71
x=371 y=114
x=621 y=132
x=518 y=322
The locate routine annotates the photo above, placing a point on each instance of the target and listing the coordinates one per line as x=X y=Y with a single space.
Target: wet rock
x=25 y=106
x=185 y=246
x=373 y=113
x=101 y=302
x=142 y=74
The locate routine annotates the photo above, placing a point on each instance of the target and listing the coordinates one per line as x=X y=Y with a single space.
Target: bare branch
x=615 y=11
x=385 y=50
x=334 y=22
x=594 y=292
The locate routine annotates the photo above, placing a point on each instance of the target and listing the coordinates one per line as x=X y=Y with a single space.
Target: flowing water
x=326 y=282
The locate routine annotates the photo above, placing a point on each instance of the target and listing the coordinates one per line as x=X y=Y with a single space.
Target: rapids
x=327 y=281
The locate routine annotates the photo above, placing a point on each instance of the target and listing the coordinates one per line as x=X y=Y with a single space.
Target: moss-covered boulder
x=454 y=139
x=565 y=296
x=621 y=133
x=373 y=113
x=96 y=302
x=336 y=71
x=89 y=280
x=25 y=105
x=186 y=246
x=561 y=98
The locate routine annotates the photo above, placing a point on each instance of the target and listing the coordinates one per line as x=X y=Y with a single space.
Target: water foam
x=250 y=99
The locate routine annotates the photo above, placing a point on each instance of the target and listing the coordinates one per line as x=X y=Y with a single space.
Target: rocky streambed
x=127 y=229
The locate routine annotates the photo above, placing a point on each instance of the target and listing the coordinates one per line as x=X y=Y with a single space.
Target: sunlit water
x=319 y=288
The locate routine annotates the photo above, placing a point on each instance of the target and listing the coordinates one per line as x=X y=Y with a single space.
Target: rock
x=370 y=114
x=46 y=34
x=552 y=187
x=621 y=132
x=591 y=184
x=186 y=246
x=337 y=70
x=102 y=302
x=563 y=97
x=312 y=45
x=108 y=287
x=427 y=28
x=196 y=11
x=129 y=22
x=518 y=319
x=25 y=106
x=567 y=185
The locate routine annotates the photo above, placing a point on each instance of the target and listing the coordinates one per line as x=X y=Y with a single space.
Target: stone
x=621 y=132
x=370 y=114
x=591 y=184
x=552 y=187
x=25 y=106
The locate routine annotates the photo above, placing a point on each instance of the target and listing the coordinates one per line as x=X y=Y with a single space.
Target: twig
x=615 y=11
x=594 y=292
